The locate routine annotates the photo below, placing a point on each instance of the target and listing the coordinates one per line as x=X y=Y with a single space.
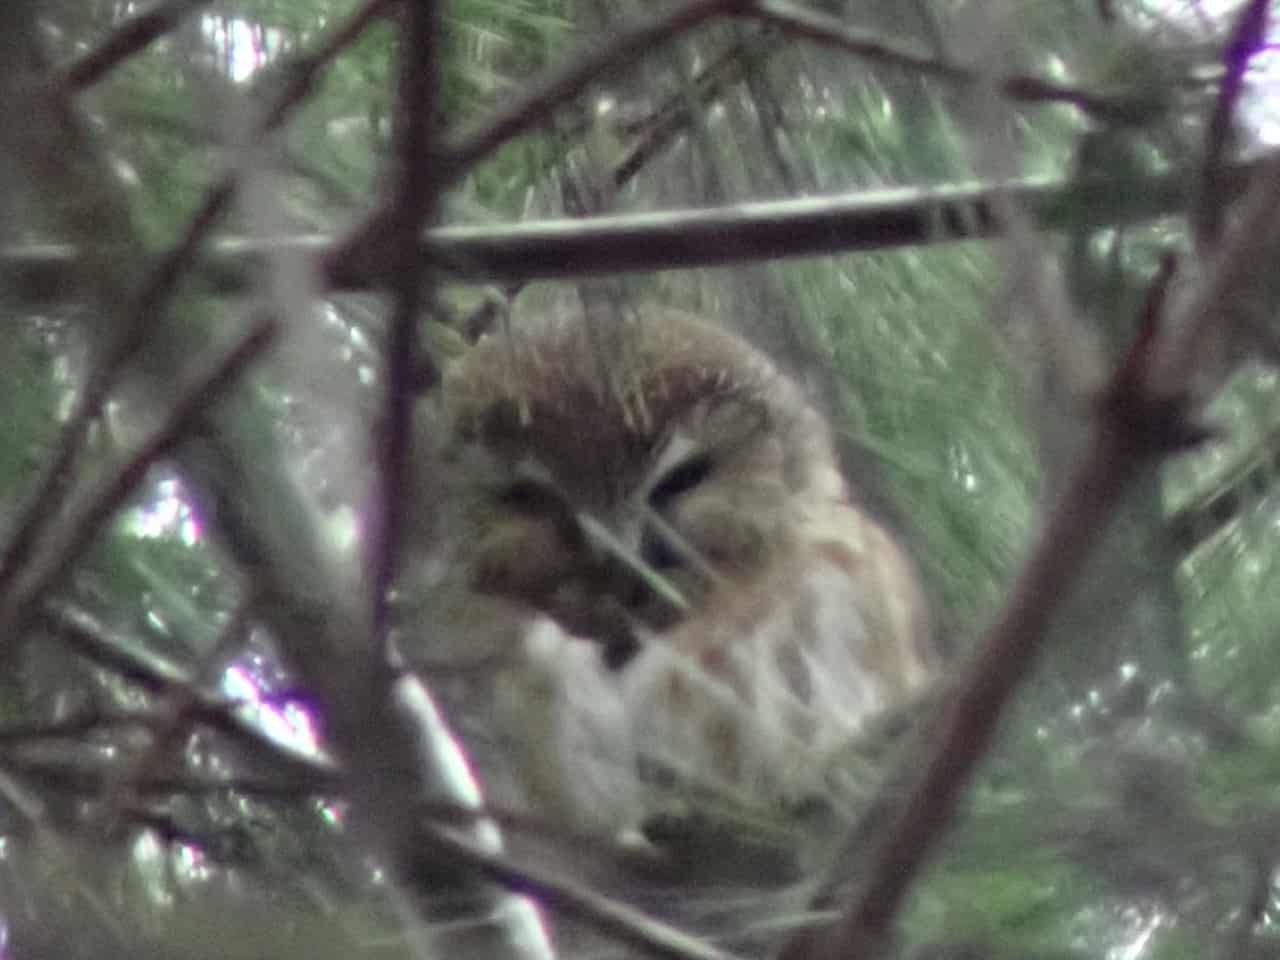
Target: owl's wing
x=758 y=690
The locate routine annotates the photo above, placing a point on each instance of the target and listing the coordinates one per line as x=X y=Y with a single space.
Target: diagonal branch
x=621 y=922
x=1144 y=414
x=830 y=31
x=1247 y=39
x=460 y=151
x=61 y=552
x=131 y=37
x=147 y=308
x=625 y=46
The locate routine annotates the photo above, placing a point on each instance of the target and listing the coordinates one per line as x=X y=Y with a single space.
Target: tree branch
x=620 y=921
x=147 y=309
x=830 y=31
x=1247 y=38
x=131 y=37
x=1144 y=414
x=60 y=553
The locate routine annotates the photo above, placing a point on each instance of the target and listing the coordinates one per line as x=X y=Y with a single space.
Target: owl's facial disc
x=561 y=559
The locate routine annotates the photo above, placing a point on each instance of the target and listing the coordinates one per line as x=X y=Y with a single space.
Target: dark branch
x=618 y=920
x=1247 y=38
x=131 y=37
x=91 y=640
x=1145 y=413
x=20 y=603
x=458 y=152
x=86 y=780
x=415 y=206
x=624 y=47
x=149 y=306
x=829 y=31
x=754 y=231
x=718 y=236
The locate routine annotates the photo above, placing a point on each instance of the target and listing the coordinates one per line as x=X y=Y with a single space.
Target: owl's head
x=617 y=477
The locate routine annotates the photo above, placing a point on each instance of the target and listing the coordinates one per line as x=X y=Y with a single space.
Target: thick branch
x=61 y=550
x=1145 y=413
x=830 y=31
x=128 y=39
x=719 y=236
x=143 y=310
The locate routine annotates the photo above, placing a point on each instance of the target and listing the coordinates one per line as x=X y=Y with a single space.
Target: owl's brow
x=551 y=498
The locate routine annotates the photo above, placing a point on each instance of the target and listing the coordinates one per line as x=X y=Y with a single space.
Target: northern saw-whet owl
x=646 y=548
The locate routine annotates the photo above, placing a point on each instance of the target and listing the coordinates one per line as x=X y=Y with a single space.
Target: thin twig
x=1238 y=486
x=650 y=135
x=672 y=117
x=303 y=72
x=458 y=152
x=461 y=151
x=57 y=850
x=618 y=920
x=830 y=31
x=381 y=796
x=21 y=602
x=76 y=727
x=131 y=37
x=89 y=639
x=1219 y=304
x=173 y=721
x=94 y=642
x=81 y=778
x=1247 y=37
x=626 y=45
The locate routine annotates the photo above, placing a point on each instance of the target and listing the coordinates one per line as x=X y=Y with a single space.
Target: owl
x=647 y=569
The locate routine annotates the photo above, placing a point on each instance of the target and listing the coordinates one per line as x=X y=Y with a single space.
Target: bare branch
x=21 y=602
x=621 y=922
x=1247 y=38
x=460 y=151
x=415 y=205
x=148 y=308
x=626 y=45
x=131 y=37
x=878 y=220
x=174 y=720
x=76 y=777
x=1145 y=413
x=830 y=31
x=1218 y=306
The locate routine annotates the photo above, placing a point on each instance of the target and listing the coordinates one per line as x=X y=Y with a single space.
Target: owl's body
x=646 y=528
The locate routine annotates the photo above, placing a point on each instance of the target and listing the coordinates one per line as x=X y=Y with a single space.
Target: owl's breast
x=778 y=671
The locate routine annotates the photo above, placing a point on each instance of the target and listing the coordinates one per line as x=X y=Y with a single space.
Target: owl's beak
x=627 y=559
x=632 y=597
x=617 y=591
